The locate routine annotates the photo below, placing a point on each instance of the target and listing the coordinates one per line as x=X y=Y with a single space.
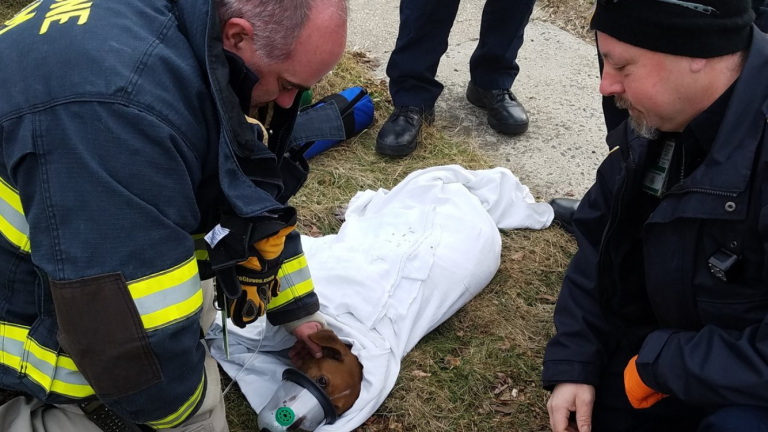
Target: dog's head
x=338 y=372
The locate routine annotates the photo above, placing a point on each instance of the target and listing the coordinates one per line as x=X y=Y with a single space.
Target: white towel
x=403 y=262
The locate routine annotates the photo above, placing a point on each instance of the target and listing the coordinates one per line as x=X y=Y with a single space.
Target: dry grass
x=570 y=15
x=9 y=7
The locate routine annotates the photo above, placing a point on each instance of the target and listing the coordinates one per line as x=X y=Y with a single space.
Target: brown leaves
x=504 y=395
x=315 y=232
x=544 y=298
x=452 y=362
x=420 y=374
x=505 y=409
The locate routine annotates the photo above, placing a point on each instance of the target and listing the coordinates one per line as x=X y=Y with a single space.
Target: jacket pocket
x=732 y=315
x=101 y=329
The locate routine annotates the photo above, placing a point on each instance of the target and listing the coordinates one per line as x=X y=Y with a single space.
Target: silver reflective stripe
x=15 y=349
x=14 y=217
x=169 y=296
x=13 y=224
x=53 y=372
x=294 y=278
x=69 y=376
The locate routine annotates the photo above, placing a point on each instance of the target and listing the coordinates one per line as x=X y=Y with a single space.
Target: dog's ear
x=332 y=345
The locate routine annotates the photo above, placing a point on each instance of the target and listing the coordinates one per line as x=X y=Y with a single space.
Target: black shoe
x=400 y=133
x=564 y=209
x=505 y=113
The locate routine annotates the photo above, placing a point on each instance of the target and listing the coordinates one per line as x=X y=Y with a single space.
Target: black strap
x=108 y=420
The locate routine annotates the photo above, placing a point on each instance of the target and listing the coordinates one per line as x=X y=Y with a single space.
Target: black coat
x=645 y=282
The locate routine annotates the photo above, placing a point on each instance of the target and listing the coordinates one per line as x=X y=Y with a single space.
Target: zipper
x=682 y=166
x=613 y=221
x=677 y=190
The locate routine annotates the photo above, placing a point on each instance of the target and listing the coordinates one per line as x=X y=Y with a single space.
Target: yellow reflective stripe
x=40 y=352
x=14 y=332
x=55 y=386
x=295 y=281
x=182 y=413
x=174 y=313
x=293 y=292
x=54 y=372
x=13 y=224
x=13 y=235
x=11 y=361
x=294 y=264
x=10 y=195
x=160 y=281
x=169 y=296
x=12 y=339
x=67 y=363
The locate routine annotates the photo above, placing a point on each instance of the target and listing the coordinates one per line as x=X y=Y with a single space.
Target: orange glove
x=639 y=394
x=258 y=280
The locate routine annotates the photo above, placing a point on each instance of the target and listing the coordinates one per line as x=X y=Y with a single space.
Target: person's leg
x=211 y=417
x=736 y=419
x=26 y=414
x=421 y=42
x=493 y=65
x=613 y=413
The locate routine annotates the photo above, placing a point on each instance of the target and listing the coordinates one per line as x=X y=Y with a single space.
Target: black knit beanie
x=714 y=28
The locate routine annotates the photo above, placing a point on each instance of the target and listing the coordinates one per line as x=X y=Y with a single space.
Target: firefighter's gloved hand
x=258 y=280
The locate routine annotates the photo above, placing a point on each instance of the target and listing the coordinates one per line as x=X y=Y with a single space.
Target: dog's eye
x=322 y=381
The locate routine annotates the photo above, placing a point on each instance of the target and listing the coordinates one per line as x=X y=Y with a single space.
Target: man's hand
x=639 y=394
x=568 y=398
x=304 y=348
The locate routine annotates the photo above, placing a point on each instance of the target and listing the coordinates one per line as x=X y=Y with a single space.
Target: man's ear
x=330 y=342
x=237 y=35
x=697 y=64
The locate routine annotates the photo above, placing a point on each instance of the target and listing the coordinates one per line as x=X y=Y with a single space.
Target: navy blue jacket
x=646 y=283
x=121 y=143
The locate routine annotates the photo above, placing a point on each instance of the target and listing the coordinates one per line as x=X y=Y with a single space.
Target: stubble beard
x=637 y=122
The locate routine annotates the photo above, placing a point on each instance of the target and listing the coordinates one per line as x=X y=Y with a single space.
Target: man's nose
x=610 y=84
x=286 y=98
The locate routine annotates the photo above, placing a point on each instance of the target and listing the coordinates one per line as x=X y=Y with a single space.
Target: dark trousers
x=613 y=413
x=423 y=39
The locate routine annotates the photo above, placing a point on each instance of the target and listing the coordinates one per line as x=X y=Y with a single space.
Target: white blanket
x=402 y=263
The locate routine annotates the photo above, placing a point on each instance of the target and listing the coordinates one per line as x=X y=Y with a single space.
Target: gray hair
x=277 y=24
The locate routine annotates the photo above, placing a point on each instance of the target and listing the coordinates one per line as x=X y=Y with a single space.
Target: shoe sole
x=502 y=128
x=393 y=152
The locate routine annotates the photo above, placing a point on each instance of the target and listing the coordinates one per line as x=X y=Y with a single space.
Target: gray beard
x=637 y=123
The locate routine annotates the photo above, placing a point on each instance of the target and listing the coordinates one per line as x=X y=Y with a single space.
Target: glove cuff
x=317 y=317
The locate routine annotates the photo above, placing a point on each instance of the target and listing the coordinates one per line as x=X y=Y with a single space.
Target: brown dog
x=338 y=372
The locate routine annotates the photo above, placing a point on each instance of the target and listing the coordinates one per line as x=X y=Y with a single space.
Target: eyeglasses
x=695 y=6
